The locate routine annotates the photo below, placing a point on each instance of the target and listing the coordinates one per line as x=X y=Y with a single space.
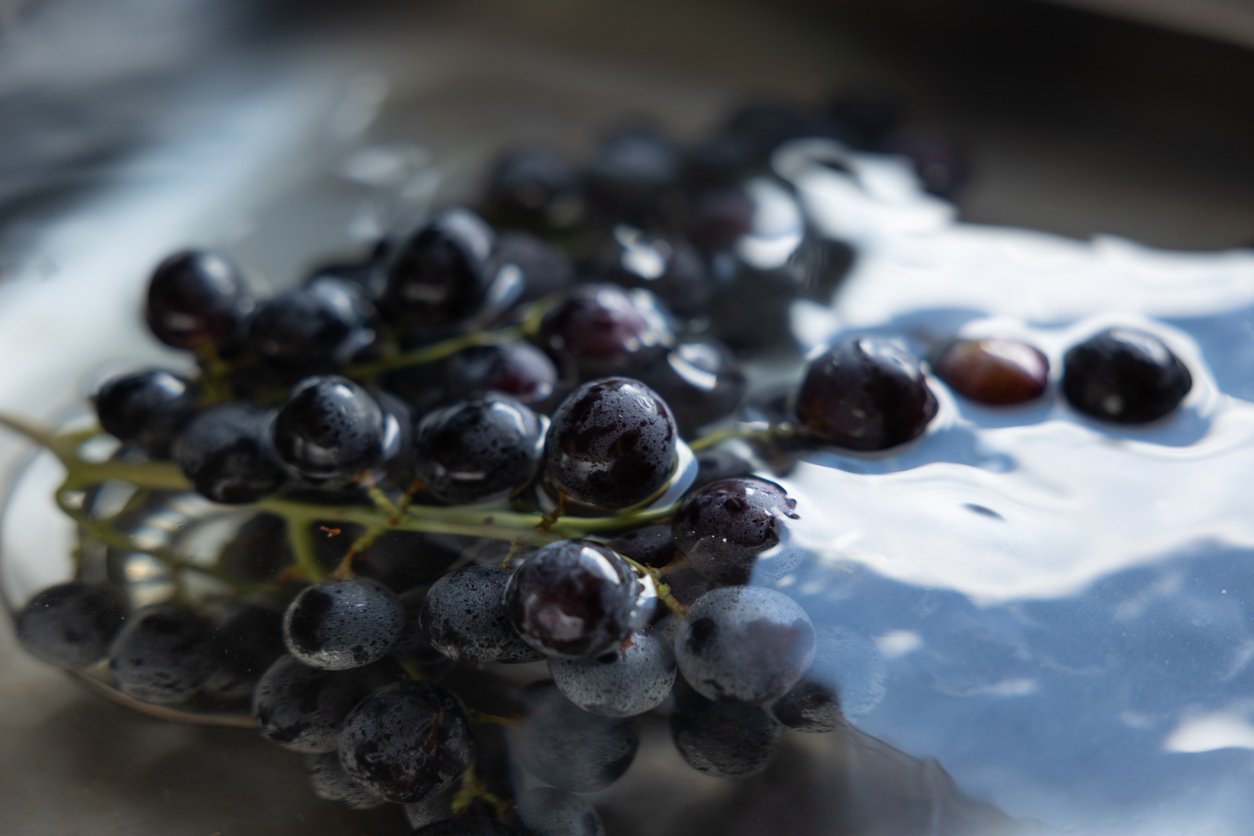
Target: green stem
x=431 y=353
x=300 y=535
x=747 y=432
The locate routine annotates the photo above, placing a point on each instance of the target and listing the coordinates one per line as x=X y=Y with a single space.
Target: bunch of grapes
x=509 y=437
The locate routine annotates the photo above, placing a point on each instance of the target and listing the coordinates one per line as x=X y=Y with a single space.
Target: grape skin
x=563 y=745
x=162 y=655
x=464 y=617
x=630 y=680
x=301 y=708
x=342 y=625
x=71 y=624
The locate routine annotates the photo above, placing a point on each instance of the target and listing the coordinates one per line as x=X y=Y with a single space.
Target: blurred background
x=134 y=127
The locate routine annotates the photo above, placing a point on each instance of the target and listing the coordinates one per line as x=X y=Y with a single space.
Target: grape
x=245 y=644
x=744 y=643
x=332 y=783
x=517 y=369
x=601 y=329
x=329 y=428
x=700 y=381
x=670 y=268
x=195 y=298
x=430 y=810
x=576 y=598
x=994 y=371
x=864 y=394
x=438 y=275
x=70 y=625
x=611 y=444
x=162 y=655
x=724 y=739
x=343 y=624
x=569 y=748
x=546 y=269
x=146 y=408
x=629 y=680
x=532 y=187
x=324 y=322
x=464 y=617
x=813 y=705
x=652 y=545
x=726 y=526
x=546 y=811
x=406 y=741
x=478 y=450
x=632 y=171
x=226 y=454
x=1125 y=376
x=302 y=708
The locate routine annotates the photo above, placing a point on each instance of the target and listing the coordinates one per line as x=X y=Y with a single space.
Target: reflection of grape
x=724 y=739
x=162 y=655
x=569 y=748
x=70 y=625
x=301 y=708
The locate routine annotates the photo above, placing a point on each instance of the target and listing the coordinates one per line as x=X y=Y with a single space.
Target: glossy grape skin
x=406 y=741
x=632 y=172
x=723 y=528
x=478 y=450
x=517 y=369
x=611 y=444
x=329 y=428
x=162 y=655
x=576 y=598
x=1125 y=376
x=668 y=267
x=322 y=323
x=601 y=329
x=652 y=545
x=749 y=644
x=631 y=679
x=247 y=641
x=195 y=298
x=563 y=745
x=71 y=624
x=700 y=381
x=724 y=739
x=226 y=453
x=864 y=394
x=302 y=708
x=548 y=811
x=345 y=624
x=994 y=371
x=146 y=408
x=533 y=188
x=464 y=617
x=438 y=275
x=331 y=783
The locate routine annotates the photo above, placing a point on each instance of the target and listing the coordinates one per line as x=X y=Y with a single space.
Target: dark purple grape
x=577 y=598
x=726 y=526
x=406 y=741
x=563 y=745
x=652 y=545
x=864 y=394
x=464 y=617
x=478 y=450
x=226 y=454
x=343 y=624
x=749 y=644
x=632 y=172
x=196 y=297
x=994 y=371
x=323 y=323
x=331 y=783
x=548 y=811
x=438 y=275
x=670 y=268
x=329 y=428
x=146 y=408
x=71 y=625
x=631 y=679
x=724 y=739
x=162 y=655
x=546 y=269
x=247 y=641
x=700 y=381
x=517 y=369
x=611 y=444
x=1125 y=376
x=302 y=708
x=603 y=329
x=534 y=188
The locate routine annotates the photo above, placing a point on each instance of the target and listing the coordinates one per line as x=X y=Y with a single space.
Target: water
x=1059 y=611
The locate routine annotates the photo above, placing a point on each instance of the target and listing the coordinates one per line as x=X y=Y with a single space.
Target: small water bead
x=71 y=625
x=865 y=394
x=196 y=298
x=406 y=741
x=478 y=450
x=1124 y=375
x=633 y=678
x=563 y=745
x=750 y=644
x=331 y=783
x=464 y=616
x=995 y=371
x=227 y=455
x=146 y=408
x=343 y=624
x=548 y=811
x=302 y=708
x=329 y=428
x=724 y=527
x=603 y=329
x=162 y=655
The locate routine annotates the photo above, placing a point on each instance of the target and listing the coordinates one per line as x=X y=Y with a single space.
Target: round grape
x=343 y=624
x=226 y=453
x=329 y=428
x=653 y=545
x=302 y=708
x=532 y=187
x=604 y=329
x=146 y=408
x=724 y=739
x=162 y=655
x=517 y=369
x=701 y=382
x=548 y=811
x=670 y=268
x=629 y=680
x=71 y=625
x=478 y=450
x=724 y=527
x=1125 y=376
x=325 y=322
x=195 y=298
x=563 y=745
x=994 y=371
x=465 y=618
x=438 y=275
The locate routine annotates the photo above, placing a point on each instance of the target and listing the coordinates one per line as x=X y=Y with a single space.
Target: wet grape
x=70 y=625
